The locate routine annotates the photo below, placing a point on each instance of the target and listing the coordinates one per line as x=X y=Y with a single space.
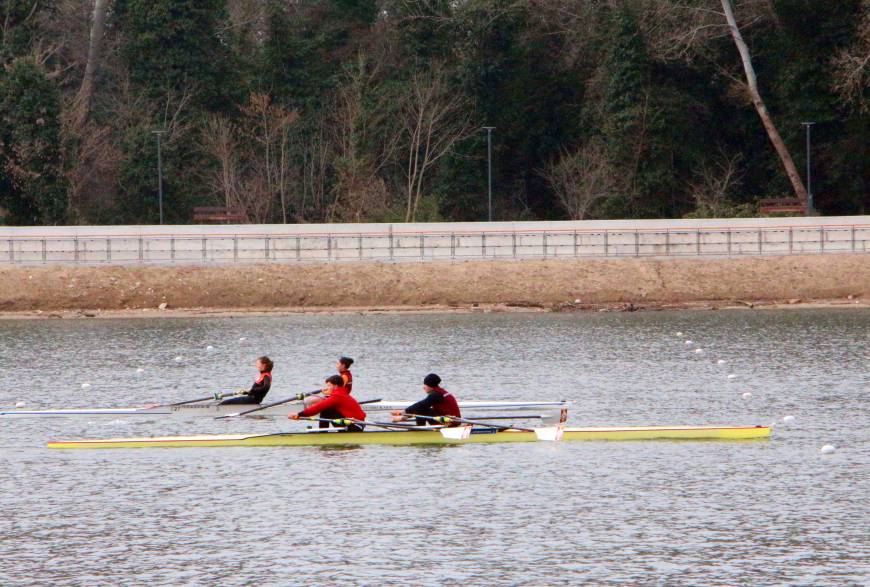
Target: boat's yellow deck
x=421 y=437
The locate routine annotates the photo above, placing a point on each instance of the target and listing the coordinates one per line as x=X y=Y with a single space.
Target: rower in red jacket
x=260 y=387
x=338 y=404
x=343 y=365
x=438 y=402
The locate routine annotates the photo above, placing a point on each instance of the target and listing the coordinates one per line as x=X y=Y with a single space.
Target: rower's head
x=333 y=382
x=264 y=364
x=343 y=364
x=430 y=382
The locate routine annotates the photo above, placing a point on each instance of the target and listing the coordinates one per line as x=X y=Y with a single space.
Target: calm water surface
x=634 y=513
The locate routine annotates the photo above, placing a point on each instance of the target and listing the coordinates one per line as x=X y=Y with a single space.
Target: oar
x=215 y=396
x=536 y=416
x=449 y=419
x=550 y=433
x=296 y=398
x=350 y=421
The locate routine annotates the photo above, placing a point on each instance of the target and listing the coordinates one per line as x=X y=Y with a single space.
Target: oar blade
x=456 y=433
x=550 y=433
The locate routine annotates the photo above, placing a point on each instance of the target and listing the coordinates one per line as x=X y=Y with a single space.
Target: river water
x=770 y=512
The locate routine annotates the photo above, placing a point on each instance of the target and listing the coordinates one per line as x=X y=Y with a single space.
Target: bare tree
x=713 y=185
x=272 y=124
x=766 y=119
x=580 y=179
x=364 y=139
x=434 y=118
x=852 y=66
x=252 y=158
x=317 y=156
x=219 y=140
x=98 y=26
x=678 y=30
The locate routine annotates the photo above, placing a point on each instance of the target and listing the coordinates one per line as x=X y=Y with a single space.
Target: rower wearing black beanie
x=438 y=402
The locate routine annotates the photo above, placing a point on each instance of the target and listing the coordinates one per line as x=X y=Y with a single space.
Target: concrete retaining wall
x=200 y=244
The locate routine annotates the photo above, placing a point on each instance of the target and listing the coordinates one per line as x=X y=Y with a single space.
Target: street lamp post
x=159 y=133
x=809 y=126
x=489 y=130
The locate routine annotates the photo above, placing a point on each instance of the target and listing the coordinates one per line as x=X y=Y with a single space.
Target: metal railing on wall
x=432 y=245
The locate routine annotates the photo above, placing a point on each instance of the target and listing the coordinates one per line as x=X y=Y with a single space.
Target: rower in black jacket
x=260 y=387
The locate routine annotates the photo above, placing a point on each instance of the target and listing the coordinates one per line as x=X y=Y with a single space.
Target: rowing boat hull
x=214 y=410
x=425 y=437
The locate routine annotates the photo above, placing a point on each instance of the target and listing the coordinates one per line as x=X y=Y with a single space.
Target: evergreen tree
x=528 y=92
x=176 y=46
x=32 y=186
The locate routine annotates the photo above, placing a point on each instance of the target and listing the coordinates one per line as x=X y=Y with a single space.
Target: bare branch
x=434 y=118
x=581 y=179
x=852 y=67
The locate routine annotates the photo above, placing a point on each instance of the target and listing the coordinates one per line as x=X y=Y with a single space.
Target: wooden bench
x=781 y=205
x=218 y=214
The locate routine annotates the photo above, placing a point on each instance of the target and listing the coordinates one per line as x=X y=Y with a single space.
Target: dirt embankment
x=549 y=283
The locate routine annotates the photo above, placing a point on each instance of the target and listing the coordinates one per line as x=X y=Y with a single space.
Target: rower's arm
x=315 y=409
x=424 y=405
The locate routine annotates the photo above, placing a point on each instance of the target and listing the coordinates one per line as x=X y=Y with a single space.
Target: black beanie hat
x=431 y=380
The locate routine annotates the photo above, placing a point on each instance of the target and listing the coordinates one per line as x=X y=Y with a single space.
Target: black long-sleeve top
x=261 y=387
x=425 y=406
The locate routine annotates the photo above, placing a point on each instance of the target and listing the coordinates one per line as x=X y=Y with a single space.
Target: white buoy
x=679 y=334
x=732 y=376
x=699 y=351
x=828 y=449
x=209 y=348
x=243 y=339
x=20 y=404
x=720 y=362
x=140 y=370
x=179 y=358
x=788 y=419
x=747 y=395
x=85 y=385
x=688 y=343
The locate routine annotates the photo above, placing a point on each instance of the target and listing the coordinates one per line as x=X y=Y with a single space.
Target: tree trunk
x=97 y=29
x=784 y=155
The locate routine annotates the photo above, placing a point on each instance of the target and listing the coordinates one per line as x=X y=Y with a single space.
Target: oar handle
x=295 y=398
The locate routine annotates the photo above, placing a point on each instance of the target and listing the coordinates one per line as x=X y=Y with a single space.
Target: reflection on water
x=630 y=513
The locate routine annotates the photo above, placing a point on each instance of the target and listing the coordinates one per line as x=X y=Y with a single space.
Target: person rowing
x=260 y=387
x=438 y=402
x=337 y=404
x=343 y=366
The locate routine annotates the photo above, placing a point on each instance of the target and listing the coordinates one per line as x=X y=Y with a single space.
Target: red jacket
x=340 y=403
x=438 y=402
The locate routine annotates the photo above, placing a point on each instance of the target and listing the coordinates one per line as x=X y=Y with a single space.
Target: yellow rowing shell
x=401 y=437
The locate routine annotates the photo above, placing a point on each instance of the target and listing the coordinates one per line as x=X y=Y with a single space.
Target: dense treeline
x=372 y=110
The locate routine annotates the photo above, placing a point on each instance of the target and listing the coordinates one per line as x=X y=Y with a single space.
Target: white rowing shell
x=214 y=409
